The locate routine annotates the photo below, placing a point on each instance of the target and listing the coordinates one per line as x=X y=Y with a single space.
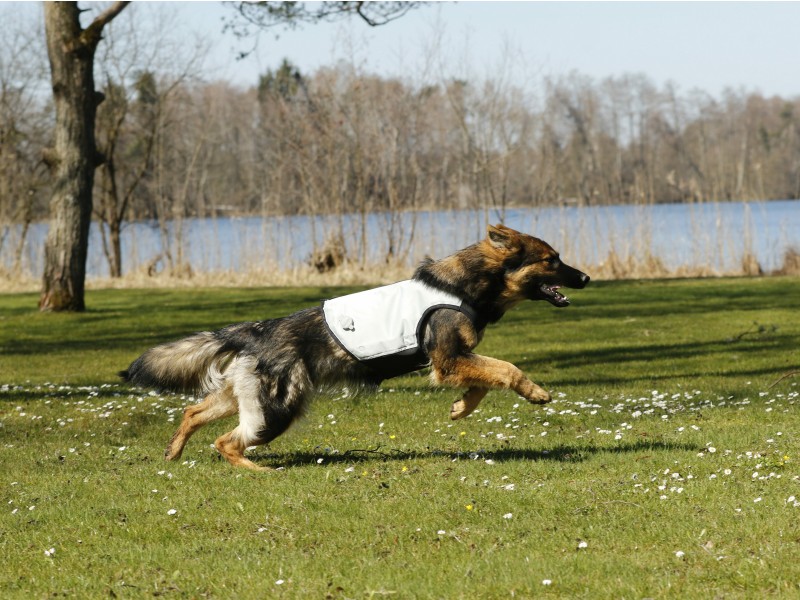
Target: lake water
x=711 y=235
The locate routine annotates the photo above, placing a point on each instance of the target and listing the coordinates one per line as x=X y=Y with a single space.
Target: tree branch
x=105 y=17
x=398 y=10
x=782 y=377
x=266 y=15
x=92 y=34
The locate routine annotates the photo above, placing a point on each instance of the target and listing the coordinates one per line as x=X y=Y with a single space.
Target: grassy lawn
x=666 y=467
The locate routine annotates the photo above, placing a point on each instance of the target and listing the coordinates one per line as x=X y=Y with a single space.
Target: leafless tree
x=74 y=156
x=140 y=69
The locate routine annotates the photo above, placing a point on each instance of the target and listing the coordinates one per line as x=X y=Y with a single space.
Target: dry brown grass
x=12 y=281
x=750 y=265
x=304 y=275
x=613 y=267
x=648 y=266
x=791 y=263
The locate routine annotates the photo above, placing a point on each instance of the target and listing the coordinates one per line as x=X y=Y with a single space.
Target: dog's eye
x=553 y=261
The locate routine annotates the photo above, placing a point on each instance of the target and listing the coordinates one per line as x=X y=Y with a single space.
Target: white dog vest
x=387 y=322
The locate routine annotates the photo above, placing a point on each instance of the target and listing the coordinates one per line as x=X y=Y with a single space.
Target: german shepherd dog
x=267 y=370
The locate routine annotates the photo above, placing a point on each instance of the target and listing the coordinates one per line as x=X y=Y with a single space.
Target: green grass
x=664 y=437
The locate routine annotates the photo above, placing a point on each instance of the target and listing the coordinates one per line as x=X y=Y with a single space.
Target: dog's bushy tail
x=194 y=364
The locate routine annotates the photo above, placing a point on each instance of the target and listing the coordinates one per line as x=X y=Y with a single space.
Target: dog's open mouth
x=552 y=295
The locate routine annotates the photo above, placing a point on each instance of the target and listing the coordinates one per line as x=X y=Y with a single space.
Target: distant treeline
x=341 y=141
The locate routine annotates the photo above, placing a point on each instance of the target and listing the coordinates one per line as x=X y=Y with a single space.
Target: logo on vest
x=347 y=323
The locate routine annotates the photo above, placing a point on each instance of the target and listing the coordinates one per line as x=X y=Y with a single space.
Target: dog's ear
x=503 y=238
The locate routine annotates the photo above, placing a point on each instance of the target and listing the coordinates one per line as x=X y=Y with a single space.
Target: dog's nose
x=584 y=279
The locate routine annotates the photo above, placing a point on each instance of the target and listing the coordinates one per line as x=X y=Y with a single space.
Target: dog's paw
x=537 y=395
x=459 y=410
x=468 y=403
x=173 y=450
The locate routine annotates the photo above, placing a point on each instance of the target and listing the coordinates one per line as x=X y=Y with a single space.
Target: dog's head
x=534 y=271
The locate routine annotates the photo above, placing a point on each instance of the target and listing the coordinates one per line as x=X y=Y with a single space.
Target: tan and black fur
x=267 y=370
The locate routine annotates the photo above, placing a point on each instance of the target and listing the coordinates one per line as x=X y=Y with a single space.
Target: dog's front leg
x=449 y=340
x=469 y=402
x=476 y=371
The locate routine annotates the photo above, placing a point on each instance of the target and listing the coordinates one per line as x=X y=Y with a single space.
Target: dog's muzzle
x=569 y=277
x=583 y=279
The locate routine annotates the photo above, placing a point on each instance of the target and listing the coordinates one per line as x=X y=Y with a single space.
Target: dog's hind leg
x=232 y=446
x=469 y=402
x=217 y=405
x=267 y=407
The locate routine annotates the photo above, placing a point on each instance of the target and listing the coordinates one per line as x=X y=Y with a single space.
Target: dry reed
x=791 y=263
x=615 y=266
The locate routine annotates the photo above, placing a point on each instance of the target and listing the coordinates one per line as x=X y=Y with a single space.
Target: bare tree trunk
x=18 y=252
x=74 y=157
x=107 y=216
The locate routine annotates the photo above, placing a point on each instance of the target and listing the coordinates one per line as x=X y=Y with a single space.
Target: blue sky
x=705 y=45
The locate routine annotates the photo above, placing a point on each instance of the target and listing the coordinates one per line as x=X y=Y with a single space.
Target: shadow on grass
x=605 y=355
x=562 y=454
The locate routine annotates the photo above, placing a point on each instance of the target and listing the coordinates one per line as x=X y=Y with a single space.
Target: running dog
x=267 y=370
